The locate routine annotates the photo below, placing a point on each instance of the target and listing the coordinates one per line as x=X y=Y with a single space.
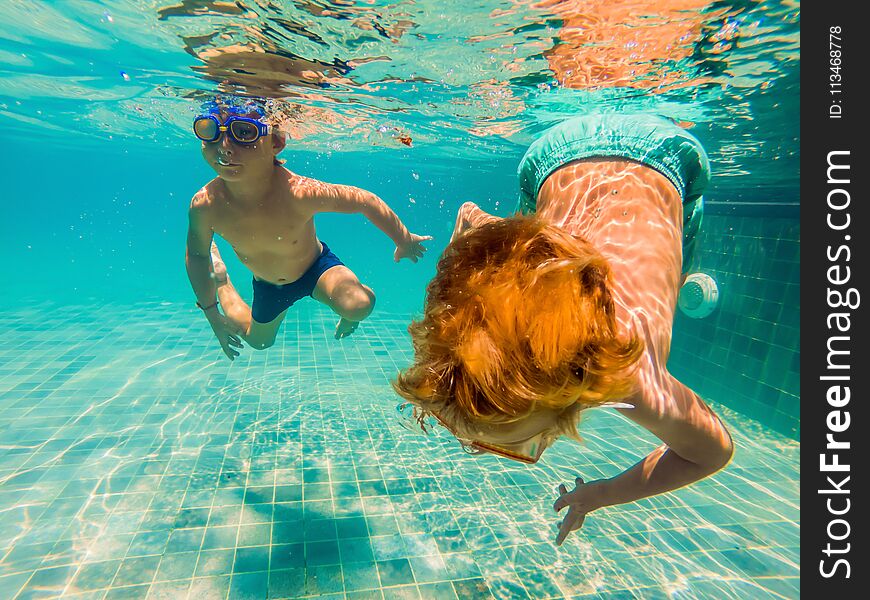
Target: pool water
x=137 y=462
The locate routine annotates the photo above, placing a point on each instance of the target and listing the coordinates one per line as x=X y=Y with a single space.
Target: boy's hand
x=462 y=220
x=580 y=503
x=225 y=331
x=469 y=216
x=411 y=247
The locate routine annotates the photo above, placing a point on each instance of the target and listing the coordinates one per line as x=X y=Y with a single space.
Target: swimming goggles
x=242 y=130
x=526 y=451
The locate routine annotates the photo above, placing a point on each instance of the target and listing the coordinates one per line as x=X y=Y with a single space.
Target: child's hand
x=411 y=247
x=580 y=504
x=469 y=216
x=225 y=331
x=462 y=222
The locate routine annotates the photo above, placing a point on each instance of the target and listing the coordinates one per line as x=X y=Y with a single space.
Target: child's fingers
x=565 y=529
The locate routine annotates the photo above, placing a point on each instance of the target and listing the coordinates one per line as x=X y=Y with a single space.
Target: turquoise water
x=136 y=462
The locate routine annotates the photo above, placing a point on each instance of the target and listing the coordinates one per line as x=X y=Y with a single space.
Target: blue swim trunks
x=648 y=139
x=270 y=300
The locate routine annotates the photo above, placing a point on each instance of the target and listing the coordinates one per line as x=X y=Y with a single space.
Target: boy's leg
x=340 y=289
x=257 y=335
x=262 y=335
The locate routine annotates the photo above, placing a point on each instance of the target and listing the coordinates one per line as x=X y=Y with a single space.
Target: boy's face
x=233 y=161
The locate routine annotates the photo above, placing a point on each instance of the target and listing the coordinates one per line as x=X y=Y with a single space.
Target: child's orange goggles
x=526 y=451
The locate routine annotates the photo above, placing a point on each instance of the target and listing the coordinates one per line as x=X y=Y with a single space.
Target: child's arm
x=198 y=255
x=349 y=199
x=697 y=445
x=199 y=271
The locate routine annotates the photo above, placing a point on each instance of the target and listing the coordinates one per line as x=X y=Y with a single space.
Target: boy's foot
x=345 y=328
x=219 y=269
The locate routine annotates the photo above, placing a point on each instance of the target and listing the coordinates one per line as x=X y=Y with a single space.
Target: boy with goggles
x=266 y=213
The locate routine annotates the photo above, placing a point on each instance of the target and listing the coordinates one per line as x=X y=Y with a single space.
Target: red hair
x=519 y=316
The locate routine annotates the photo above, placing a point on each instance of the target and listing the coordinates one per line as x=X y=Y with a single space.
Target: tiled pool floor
x=137 y=462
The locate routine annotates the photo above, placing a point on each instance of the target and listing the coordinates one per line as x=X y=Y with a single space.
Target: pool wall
x=746 y=354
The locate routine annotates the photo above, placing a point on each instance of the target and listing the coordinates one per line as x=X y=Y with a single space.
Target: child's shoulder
x=295 y=180
x=305 y=187
x=205 y=196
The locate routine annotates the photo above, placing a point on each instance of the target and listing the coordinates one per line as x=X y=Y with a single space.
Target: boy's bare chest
x=270 y=228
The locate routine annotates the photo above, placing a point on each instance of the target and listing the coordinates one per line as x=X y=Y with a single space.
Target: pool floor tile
x=157 y=469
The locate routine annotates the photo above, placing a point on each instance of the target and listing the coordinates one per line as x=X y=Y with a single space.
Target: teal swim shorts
x=650 y=140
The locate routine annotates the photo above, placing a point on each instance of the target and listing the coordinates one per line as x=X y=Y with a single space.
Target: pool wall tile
x=746 y=354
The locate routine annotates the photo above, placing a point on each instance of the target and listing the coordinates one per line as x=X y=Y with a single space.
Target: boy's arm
x=198 y=254
x=199 y=271
x=696 y=445
x=349 y=199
